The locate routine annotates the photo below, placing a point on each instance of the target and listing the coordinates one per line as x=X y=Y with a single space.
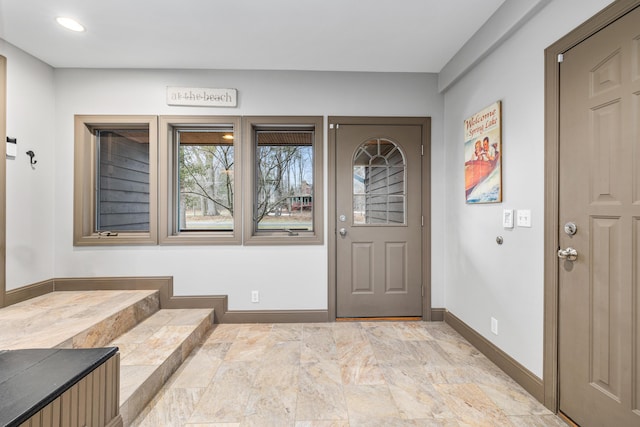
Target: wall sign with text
x=202 y=97
x=483 y=155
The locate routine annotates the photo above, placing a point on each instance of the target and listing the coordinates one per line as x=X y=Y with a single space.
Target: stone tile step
x=74 y=319
x=153 y=350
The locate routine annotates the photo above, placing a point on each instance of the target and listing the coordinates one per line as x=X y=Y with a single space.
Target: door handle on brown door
x=569 y=254
x=343 y=232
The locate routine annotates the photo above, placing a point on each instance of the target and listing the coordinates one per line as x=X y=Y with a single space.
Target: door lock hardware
x=570 y=228
x=569 y=254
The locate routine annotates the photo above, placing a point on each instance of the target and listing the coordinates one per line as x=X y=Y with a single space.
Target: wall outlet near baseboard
x=494 y=325
x=255 y=296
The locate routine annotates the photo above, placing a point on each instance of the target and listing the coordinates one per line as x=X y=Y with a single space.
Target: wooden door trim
x=425 y=123
x=3 y=179
x=551 y=185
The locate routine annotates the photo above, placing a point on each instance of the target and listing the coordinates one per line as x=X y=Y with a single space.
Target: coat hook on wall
x=31 y=154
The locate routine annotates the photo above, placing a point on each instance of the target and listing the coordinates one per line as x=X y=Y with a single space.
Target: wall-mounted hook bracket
x=31 y=154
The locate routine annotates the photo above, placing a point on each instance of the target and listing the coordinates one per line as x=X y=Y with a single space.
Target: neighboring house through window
x=180 y=180
x=283 y=171
x=115 y=180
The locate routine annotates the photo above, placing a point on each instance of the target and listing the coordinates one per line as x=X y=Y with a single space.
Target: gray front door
x=599 y=314
x=378 y=220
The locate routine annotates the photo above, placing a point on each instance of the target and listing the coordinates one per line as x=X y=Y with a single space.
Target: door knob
x=343 y=232
x=569 y=254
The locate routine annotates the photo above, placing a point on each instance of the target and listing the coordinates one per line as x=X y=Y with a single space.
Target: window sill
x=122 y=239
x=201 y=238
x=283 y=239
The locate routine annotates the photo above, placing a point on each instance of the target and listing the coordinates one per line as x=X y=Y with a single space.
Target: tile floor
x=339 y=375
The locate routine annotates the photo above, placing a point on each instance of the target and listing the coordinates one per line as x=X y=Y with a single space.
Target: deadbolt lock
x=570 y=228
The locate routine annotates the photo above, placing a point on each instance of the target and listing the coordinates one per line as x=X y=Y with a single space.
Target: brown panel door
x=599 y=319
x=378 y=201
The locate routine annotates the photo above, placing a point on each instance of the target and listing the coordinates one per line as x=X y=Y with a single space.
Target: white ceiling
x=333 y=35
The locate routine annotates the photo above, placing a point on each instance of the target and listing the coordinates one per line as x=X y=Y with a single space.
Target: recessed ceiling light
x=227 y=136
x=70 y=24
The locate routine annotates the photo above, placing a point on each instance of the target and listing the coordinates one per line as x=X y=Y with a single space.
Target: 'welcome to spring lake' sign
x=202 y=97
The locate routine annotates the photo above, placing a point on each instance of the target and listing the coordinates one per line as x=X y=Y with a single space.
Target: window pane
x=379 y=183
x=205 y=163
x=284 y=180
x=122 y=202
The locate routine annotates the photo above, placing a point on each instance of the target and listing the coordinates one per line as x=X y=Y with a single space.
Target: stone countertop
x=31 y=379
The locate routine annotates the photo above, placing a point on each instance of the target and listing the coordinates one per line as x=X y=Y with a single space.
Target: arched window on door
x=379 y=183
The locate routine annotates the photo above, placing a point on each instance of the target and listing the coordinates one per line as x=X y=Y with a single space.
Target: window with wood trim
x=283 y=171
x=199 y=203
x=115 y=180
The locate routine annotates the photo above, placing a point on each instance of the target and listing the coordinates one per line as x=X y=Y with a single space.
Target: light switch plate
x=524 y=218
x=507 y=218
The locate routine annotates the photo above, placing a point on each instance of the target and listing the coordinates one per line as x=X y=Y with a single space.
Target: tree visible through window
x=205 y=166
x=172 y=180
x=284 y=180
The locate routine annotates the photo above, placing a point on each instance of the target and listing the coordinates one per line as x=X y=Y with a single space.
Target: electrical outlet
x=255 y=296
x=494 y=325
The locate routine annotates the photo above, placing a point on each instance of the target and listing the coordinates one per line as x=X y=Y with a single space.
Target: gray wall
x=483 y=279
x=41 y=105
x=228 y=270
x=30 y=191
